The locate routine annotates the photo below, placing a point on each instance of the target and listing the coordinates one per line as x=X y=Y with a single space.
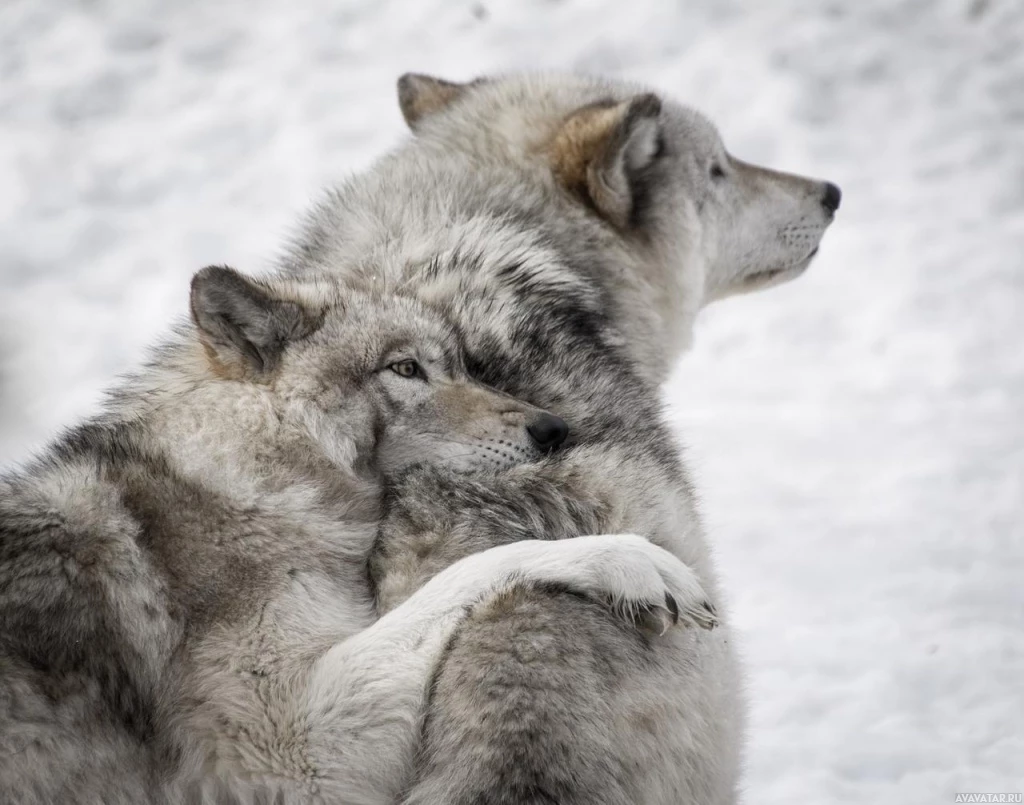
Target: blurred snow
x=858 y=435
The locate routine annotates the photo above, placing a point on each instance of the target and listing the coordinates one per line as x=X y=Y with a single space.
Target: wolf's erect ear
x=242 y=325
x=603 y=150
x=420 y=96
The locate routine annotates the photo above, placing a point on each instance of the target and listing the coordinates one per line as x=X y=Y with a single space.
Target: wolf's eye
x=407 y=369
x=716 y=171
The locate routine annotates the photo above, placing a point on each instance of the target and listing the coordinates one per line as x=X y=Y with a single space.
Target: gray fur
x=183 y=579
x=573 y=228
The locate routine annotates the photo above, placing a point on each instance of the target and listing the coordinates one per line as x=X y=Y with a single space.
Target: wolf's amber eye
x=407 y=369
x=716 y=171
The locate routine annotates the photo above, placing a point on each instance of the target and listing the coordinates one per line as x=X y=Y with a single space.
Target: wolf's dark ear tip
x=208 y=278
x=212 y=274
x=201 y=279
x=411 y=86
x=411 y=79
x=420 y=96
x=407 y=83
x=646 y=105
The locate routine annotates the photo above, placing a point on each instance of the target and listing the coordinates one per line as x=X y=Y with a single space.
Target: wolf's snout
x=548 y=431
x=833 y=195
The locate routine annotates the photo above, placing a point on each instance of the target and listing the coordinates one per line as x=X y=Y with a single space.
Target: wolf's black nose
x=548 y=431
x=833 y=195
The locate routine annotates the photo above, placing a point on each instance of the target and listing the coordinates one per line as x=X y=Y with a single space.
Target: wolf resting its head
x=376 y=380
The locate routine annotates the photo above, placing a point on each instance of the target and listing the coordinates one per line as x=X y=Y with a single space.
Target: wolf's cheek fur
x=334 y=434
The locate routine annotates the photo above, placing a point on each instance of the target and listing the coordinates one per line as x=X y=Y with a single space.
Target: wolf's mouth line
x=483 y=445
x=482 y=454
x=771 y=273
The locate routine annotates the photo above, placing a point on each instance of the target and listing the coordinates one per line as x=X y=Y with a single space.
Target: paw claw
x=654 y=618
x=673 y=607
x=706 y=617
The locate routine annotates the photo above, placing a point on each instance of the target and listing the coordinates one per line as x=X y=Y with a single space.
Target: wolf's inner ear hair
x=420 y=96
x=243 y=327
x=602 y=151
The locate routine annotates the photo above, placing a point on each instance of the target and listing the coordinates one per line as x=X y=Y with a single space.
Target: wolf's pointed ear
x=602 y=151
x=420 y=96
x=243 y=327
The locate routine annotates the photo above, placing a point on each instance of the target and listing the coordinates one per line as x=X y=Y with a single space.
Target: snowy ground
x=858 y=436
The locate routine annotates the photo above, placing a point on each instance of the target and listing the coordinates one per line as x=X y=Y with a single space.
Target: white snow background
x=857 y=435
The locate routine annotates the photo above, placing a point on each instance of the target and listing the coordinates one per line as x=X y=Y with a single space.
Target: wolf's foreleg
x=347 y=730
x=542 y=698
x=433 y=518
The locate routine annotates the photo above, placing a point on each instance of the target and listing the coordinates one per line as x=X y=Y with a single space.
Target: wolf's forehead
x=693 y=129
x=539 y=96
x=380 y=325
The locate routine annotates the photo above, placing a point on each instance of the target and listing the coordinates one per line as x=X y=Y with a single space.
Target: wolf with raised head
x=183 y=593
x=572 y=228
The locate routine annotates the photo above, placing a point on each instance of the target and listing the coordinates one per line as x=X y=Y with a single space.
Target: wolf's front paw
x=641 y=581
x=660 y=619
